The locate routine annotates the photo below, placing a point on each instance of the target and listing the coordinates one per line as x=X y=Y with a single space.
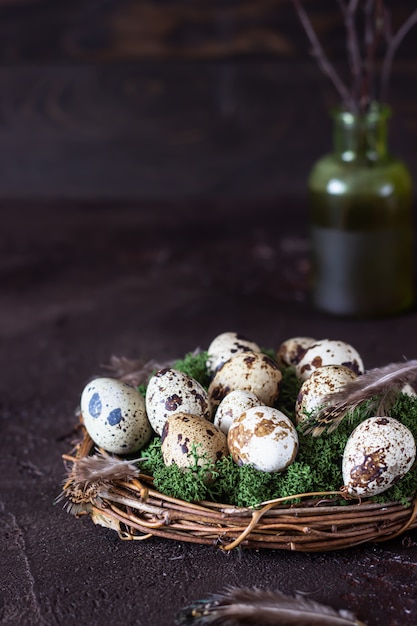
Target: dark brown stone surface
x=83 y=282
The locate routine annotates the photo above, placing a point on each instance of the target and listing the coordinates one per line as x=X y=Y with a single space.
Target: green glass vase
x=360 y=199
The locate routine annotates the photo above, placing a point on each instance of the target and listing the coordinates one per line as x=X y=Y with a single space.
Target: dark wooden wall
x=125 y=99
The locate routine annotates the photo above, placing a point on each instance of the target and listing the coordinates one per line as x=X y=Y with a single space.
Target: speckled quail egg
x=329 y=352
x=263 y=437
x=226 y=345
x=114 y=416
x=171 y=391
x=378 y=453
x=292 y=350
x=233 y=405
x=251 y=371
x=323 y=381
x=184 y=435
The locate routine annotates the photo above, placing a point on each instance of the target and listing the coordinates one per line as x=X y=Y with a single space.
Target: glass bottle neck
x=361 y=137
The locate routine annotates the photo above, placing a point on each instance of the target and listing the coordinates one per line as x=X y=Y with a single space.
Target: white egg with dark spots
x=322 y=382
x=264 y=438
x=250 y=371
x=329 y=352
x=171 y=391
x=224 y=347
x=186 y=438
x=233 y=405
x=114 y=416
x=292 y=350
x=378 y=453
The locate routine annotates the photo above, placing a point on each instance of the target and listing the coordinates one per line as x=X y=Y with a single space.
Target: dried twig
x=352 y=40
x=322 y=59
x=362 y=61
x=391 y=51
x=368 y=84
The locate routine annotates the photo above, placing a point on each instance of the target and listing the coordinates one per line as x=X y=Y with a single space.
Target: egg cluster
x=237 y=414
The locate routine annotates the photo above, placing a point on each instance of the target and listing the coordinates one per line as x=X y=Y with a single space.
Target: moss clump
x=194 y=364
x=188 y=484
x=289 y=388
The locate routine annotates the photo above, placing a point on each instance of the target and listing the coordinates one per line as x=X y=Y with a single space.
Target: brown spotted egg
x=323 y=381
x=263 y=437
x=171 y=391
x=329 y=352
x=114 y=416
x=250 y=371
x=378 y=453
x=292 y=350
x=226 y=345
x=183 y=435
x=234 y=404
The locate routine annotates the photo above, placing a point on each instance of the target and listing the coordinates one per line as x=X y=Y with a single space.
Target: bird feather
x=379 y=386
x=93 y=473
x=236 y=606
x=135 y=372
x=102 y=467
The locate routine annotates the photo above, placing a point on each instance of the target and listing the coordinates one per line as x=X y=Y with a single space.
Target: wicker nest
x=118 y=496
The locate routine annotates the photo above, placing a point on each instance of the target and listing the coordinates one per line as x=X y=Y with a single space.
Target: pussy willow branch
x=322 y=59
x=392 y=49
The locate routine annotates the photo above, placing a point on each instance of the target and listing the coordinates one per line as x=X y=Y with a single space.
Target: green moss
x=179 y=483
x=153 y=453
x=195 y=366
x=289 y=388
x=142 y=389
x=243 y=486
x=269 y=352
x=190 y=484
x=317 y=466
